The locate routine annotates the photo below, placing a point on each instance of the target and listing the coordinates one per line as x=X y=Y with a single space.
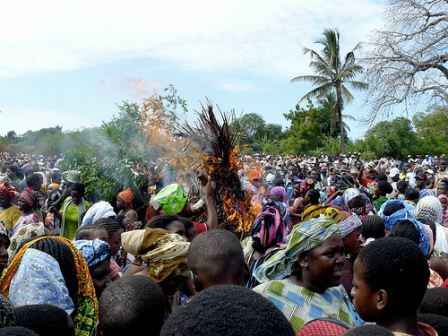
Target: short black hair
x=369 y=330
x=372 y=227
x=131 y=304
x=406 y=271
x=216 y=254
x=45 y=320
x=33 y=179
x=17 y=331
x=227 y=310
x=111 y=224
x=438 y=322
x=406 y=229
x=384 y=187
x=313 y=196
x=402 y=186
x=412 y=194
x=435 y=301
x=87 y=231
x=392 y=207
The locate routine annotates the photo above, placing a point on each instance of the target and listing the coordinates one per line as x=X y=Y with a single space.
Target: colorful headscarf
x=39 y=280
x=279 y=192
x=430 y=208
x=350 y=194
x=85 y=315
x=24 y=234
x=126 y=196
x=7 y=190
x=407 y=214
x=349 y=225
x=171 y=199
x=101 y=209
x=94 y=251
x=164 y=252
x=303 y=238
x=7 y=317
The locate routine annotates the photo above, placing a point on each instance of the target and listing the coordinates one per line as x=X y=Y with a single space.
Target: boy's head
x=412 y=195
x=56 y=322
x=369 y=330
x=372 y=227
x=92 y=232
x=440 y=265
x=402 y=186
x=17 y=331
x=390 y=279
x=406 y=229
x=227 y=310
x=383 y=188
x=435 y=301
x=438 y=322
x=216 y=258
x=130 y=305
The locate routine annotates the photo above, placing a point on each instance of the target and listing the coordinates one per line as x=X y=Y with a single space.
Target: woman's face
x=23 y=205
x=101 y=276
x=177 y=227
x=352 y=243
x=323 y=267
x=367 y=302
x=442 y=188
x=4 y=245
x=114 y=241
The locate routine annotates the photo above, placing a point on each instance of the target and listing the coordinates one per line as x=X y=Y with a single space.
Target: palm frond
x=311 y=78
x=358 y=85
x=318 y=92
x=346 y=94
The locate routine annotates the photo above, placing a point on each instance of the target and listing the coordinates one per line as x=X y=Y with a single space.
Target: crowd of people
x=338 y=246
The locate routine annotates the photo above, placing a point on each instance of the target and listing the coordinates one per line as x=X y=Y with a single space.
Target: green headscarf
x=171 y=199
x=303 y=237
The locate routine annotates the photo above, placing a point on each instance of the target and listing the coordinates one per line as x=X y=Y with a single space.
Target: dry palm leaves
x=216 y=140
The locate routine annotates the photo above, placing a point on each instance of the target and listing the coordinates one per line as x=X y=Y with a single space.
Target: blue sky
x=69 y=63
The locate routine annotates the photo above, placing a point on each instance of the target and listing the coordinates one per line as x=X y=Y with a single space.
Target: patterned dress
x=301 y=305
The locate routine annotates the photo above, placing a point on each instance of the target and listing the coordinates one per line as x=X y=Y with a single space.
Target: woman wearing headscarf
x=303 y=278
x=430 y=210
x=27 y=204
x=72 y=211
x=25 y=234
x=9 y=213
x=125 y=203
x=97 y=254
x=50 y=270
x=161 y=256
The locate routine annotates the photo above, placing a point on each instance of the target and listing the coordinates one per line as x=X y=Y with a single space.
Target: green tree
x=332 y=76
x=395 y=138
x=432 y=130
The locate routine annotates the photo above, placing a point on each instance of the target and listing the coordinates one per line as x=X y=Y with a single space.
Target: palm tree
x=332 y=76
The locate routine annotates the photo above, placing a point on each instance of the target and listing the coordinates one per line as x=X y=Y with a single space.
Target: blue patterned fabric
x=39 y=281
x=94 y=251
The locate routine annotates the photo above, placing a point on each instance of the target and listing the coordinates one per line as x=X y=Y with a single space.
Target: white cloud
x=261 y=36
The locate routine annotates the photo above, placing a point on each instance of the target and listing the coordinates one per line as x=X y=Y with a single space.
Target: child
x=216 y=258
x=390 y=279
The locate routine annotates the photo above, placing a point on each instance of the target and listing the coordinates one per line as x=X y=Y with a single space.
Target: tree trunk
x=339 y=113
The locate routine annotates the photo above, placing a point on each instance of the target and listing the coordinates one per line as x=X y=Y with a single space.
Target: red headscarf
x=126 y=196
x=322 y=328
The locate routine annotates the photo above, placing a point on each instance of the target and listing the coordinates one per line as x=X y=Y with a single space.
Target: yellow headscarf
x=164 y=252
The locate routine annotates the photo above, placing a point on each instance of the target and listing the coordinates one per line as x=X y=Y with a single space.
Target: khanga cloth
x=300 y=305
